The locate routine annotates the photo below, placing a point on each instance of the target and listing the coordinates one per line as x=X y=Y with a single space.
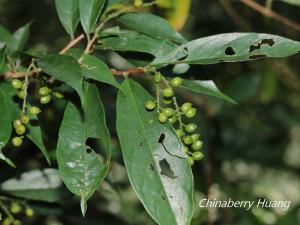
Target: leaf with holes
x=89 y=13
x=68 y=13
x=64 y=68
x=82 y=169
x=230 y=47
x=154 y=158
x=206 y=88
x=152 y=25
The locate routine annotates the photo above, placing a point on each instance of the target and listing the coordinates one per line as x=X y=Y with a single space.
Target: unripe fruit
x=167 y=101
x=157 y=78
x=162 y=117
x=195 y=137
x=44 y=91
x=187 y=140
x=186 y=149
x=173 y=119
x=17 y=141
x=17 y=84
x=138 y=3
x=190 y=127
x=186 y=106
x=58 y=95
x=29 y=212
x=150 y=105
x=168 y=92
x=197 y=156
x=190 y=113
x=17 y=222
x=169 y=112
x=34 y=110
x=20 y=130
x=7 y=221
x=191 y=160
x=197 y=145
x=45 y=99
x=25 y=119
x=176 y=81
x=15 y=208
x=21 y=94
x=179 y=133
x=17 y=123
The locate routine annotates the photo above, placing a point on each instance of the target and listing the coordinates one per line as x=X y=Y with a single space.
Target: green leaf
x=95 y=69
x=154 y=158
x=68 y=13
x=45 y=185
x=206 y=88
x=151 y=25
x=125 y=40
x=5 y=37
x=2 y=56
x=230 y=47
x=64 y=68
x=81 y=168
x=20 y=37
x=89 y=13
x=292 y=2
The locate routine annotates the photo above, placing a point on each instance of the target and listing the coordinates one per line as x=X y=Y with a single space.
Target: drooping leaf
x=64 y=68
x=151 y=25
x=2 y=57
x=230 y=47
x=68 y=13
x=206 y=88
x=20 y=37
x=125 y=40
x=154 y=158
x=40 y=185
x=95 y=69
x=82 y=169
x=89 y=13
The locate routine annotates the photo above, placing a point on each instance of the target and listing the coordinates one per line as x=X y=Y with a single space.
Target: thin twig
x=274 y=15
x=72 y=44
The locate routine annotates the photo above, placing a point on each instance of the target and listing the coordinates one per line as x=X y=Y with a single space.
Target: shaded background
x=252 y=149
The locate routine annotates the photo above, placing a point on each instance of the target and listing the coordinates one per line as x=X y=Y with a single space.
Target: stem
x=72 y=44
x=158 y=97
x=269 y=4
x=26 y=83
x=4 y=208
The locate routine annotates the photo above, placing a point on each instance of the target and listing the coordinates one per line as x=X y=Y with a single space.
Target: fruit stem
x=5 y=209
x=26 y=83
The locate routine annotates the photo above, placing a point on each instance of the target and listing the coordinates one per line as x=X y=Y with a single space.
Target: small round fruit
x=138 y=3
x=162 y=117
x=187 y=140
x=195 y=137
x=173 y=119
x=197 y=145
x=179 y=133
x=17 y=123
x=58 y=95
x=150 y=105
x=197 y=156
x=169 y=112
x=29 y=212
x=25 y=119
x=190 y=127
x=34 y=110
x=167 y=101
x=191 y=160
x=186 y=106
x=176 y=81
x=186 y=149
x=15 y=208
x=21 y=94
x=168 y=92
x=190 y=113
x=17 y=141
x=20 y=130
x=44 y=91
x=157 y=78
x=16 y=222
x=17 y=84
x=45 y=99
x=7 y=221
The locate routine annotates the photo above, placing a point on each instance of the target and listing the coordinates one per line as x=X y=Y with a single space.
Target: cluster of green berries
x=45 y=95
x=16 y=208
x=20 y=86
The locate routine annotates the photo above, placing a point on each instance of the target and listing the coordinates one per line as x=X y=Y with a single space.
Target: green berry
x=190 y=127
x=58 y=95
x=34 y=110
x=17 y=141
x=179 y=133
x=7 y=221
x=17 y=84
x=167 y=101
x=186 y=149
x=25 y=119
x=176 y=81
x=157 y=78
x=21 y=94
x=15 y=208
x=187 y=140
x=197 y=145
x=138 y=3
x=190 y=113
x=29 y=212
x=173 y=119
x=162 y=117
x=17 y=222
x=168 y=92
x=20 y=130
x=186 y=106
x=45 y=99
x=197 y=156
x=195 y=137
x=169 y=112
x=17 y=123
x=44 y=91
x=150 y=105
x=191 y=160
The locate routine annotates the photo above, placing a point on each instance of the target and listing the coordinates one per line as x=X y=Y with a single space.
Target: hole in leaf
x=152 y=167
x=161 y=138
x=258 y=45
x=182 y=55
x=89 y=150
x=163 y=197
x=229 y=51
x=257 y=56
x=166 y=169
